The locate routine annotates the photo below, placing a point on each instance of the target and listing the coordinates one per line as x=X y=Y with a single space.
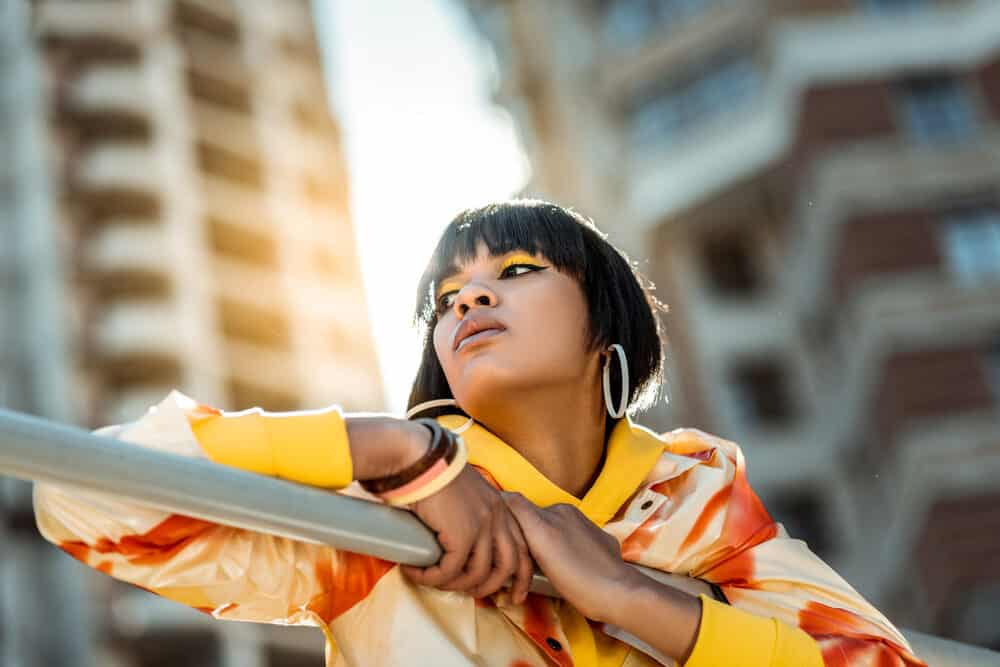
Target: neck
x=558 y=430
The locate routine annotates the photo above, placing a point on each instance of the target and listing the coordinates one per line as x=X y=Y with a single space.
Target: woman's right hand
x=482 y=542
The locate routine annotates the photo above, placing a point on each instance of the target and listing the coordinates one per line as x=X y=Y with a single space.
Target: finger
x=477 y=567
x=504 y=559
x=446 y=569
x=525 y=566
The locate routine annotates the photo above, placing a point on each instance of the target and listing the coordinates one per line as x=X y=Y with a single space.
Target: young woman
x=540 y=339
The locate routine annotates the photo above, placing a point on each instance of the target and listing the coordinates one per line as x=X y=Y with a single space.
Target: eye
x=515 y=270
x=446 y=301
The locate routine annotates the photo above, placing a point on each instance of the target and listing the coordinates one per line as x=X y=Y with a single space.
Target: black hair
x=621 y=307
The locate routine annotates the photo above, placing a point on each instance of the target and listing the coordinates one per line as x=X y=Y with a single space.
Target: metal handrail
x=40 y=450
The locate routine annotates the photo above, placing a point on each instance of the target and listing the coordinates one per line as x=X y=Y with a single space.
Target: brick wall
x=883 y=243
x=932 y=382
x=958 y=549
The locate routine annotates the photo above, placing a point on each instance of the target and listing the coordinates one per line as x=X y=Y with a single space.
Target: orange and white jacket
x=678 y=502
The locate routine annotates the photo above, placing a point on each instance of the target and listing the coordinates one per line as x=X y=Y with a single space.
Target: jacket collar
x=632 y=452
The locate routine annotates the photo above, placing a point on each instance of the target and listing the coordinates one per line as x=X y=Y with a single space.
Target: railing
x=40 y=450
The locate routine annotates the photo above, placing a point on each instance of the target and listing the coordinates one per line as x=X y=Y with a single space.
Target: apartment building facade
x=173 y=202
x=813 y=187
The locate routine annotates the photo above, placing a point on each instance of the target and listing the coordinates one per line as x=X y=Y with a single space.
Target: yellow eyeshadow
x=518 y=258
x=451 y=285
x=510 y=260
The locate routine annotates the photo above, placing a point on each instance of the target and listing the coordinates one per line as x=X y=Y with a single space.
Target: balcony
x=235 y=204
x=233 y=132
x=223 y=62
x=877 y=176
x=138 y=329
x=348 y=382
x=240 y=282
x=127 y=259
x=208 y=17
x=110 y=88
x=116 y=19
x=119 y=166
x=294 y=20
x=307 y=149
x=925 y=313
x=666 y=180
x=125 y=249
x=241 y=170
x=272 y=371
x=243 y=243
x=938 y=461
x=250 y=321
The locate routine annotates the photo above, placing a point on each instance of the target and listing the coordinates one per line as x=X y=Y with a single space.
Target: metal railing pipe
x=43 y=451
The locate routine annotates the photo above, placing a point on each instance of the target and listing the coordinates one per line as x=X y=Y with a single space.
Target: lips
x=471 y=326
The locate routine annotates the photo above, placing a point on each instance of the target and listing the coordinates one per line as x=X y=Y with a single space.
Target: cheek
x=441 y=339
x=557 y=322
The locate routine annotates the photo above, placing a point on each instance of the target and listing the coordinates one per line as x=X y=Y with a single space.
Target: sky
x=411 y=83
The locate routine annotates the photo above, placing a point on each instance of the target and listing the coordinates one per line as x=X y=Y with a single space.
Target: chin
x=483 y=380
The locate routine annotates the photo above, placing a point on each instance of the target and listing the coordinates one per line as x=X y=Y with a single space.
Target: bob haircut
x=621 y=307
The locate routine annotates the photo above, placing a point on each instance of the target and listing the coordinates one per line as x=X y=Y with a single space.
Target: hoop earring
x=623 y=401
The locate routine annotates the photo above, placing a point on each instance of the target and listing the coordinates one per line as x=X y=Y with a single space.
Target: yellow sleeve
x=735 y=638
x=231 y=573
x=305 y=447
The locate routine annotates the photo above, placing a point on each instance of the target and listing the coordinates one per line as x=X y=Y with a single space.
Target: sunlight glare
x=411 y=82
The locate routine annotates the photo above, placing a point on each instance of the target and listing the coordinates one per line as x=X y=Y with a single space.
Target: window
x=729 y=265
x=937 y=109
x=659 y=117
x=631 y=22
x=993 y=366
x=802 y=515
x=761 y=395
x=972 y=245
x=162 y=647
x=889 y=6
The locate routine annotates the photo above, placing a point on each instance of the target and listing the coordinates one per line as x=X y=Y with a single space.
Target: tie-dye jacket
x=678 y=502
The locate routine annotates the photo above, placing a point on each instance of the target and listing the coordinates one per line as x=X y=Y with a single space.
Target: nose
x=473 y=294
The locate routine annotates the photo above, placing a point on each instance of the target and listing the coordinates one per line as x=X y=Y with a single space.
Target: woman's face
x=509 y=326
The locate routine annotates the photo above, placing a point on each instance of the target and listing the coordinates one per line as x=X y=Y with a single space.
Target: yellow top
x=677 y=502
x=312 y=448
x=306 y=447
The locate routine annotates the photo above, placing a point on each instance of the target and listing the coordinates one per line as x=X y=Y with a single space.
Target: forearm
x=699 y=632
x=381 y=446
x=323 y=448
x=663 y=617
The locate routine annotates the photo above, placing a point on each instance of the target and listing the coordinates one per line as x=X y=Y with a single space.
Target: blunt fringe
x=621 y=306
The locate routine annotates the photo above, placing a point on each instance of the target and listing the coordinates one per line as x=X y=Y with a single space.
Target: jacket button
x=553 y=643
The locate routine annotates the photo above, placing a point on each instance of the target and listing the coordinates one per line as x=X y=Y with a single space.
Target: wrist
x=664 y=617
x=623 y=593
x=382 y=446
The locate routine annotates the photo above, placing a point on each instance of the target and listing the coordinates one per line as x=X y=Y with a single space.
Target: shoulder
x=698 y=444
x=711 y=459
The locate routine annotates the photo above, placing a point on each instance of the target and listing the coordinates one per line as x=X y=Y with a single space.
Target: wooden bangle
x=442 y=443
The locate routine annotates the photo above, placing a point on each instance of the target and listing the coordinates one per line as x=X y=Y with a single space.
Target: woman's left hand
x=581 y=561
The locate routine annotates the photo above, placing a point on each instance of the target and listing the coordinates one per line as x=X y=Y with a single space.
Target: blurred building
x=814 y=186
x=173 y=211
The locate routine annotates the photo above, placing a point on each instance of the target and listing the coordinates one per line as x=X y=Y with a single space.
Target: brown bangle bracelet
x=442 y=445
